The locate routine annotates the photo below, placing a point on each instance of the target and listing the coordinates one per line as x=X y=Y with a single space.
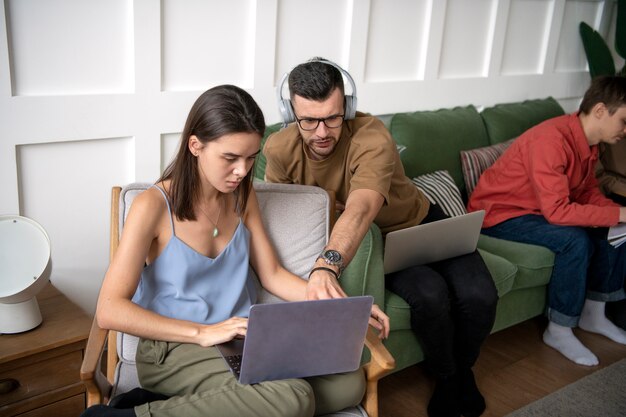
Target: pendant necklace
x=216 y=232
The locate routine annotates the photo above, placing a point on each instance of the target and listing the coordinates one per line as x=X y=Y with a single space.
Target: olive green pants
x=201 y=384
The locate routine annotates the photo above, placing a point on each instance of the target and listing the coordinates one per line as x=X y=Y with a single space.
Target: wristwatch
x=332 y=257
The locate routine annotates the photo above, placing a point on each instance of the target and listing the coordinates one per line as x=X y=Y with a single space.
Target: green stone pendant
x=215 y=231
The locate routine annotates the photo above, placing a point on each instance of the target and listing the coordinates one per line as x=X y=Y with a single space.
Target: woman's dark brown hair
x=220 y=111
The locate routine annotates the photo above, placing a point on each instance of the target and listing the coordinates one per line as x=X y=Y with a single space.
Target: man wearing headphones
x=328 y=144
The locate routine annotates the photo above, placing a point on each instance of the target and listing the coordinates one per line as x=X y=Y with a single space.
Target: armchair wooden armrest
x=97 y=385
x=381 y=364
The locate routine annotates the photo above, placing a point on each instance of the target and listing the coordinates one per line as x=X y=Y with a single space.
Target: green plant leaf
x=620 y=29
x=598 y=54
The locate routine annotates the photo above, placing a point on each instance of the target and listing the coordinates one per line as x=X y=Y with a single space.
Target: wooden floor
x=515 y=368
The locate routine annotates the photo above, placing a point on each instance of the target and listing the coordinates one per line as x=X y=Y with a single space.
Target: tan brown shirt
x=365 y=157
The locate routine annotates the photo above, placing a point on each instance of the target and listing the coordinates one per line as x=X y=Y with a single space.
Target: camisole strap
x=169 y=209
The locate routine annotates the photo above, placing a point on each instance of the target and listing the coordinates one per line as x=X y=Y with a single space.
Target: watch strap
x=323 y=268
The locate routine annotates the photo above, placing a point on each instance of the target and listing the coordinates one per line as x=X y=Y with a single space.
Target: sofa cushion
x=127 y=347
x=440 y=189
x=260 y=162
x=509 y=120
x=502 y=271
x=286 y=208
x=126 y=378
x=398 y=311
x=433 y=139
x=534 y=263
x=475 y=161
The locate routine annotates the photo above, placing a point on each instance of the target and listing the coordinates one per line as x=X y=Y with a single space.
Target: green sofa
x=432 y=141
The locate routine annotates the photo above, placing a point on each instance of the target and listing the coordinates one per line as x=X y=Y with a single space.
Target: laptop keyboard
x=234 y=361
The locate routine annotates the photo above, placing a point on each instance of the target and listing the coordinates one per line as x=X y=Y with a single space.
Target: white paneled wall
x=409 y=22
x=89 y=50
x=467 y=33
x=570 y=57
x=207 y=43
x=93 y=93
x=524 y=50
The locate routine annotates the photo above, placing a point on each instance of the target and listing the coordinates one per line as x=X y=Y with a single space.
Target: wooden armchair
x=298 y=220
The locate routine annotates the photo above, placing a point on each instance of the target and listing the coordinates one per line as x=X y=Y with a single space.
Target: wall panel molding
x=299 y=35
x=52 y=55
x=499 y=35
x=467 y=38
x=569 y=54
x=525 y=50
x=207 y=43
x=389 y=23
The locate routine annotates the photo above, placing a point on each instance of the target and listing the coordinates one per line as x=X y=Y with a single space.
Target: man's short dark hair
x=314 y=80
x=607 y=89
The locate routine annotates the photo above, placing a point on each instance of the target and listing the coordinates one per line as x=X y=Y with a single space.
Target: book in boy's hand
x=617 y=234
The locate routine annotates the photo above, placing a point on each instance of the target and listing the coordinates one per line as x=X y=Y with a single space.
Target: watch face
x=332 y=256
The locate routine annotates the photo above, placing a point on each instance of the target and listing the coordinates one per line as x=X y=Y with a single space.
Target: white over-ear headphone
x=286 y=109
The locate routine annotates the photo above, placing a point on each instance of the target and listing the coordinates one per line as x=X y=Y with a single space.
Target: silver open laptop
x=300 y=339
x=432 y=242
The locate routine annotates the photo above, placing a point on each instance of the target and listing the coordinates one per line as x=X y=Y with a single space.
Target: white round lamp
x=24 y=270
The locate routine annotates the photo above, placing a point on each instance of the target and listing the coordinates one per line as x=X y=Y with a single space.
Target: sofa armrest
x=364 y=275
x=381 y=364
x=96 y=383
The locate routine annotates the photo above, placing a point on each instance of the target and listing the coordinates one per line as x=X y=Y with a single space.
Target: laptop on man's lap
x=432 y=242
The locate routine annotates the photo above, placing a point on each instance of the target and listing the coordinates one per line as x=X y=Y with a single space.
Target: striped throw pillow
x=440 y=189
x=476 y=161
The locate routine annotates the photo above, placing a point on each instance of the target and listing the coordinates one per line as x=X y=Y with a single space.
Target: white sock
x=593 y=319
x=563 y=339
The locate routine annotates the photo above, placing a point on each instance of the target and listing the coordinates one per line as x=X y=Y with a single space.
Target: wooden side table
x=39 y=369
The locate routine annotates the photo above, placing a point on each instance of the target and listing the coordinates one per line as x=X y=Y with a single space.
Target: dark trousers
x=453 y=307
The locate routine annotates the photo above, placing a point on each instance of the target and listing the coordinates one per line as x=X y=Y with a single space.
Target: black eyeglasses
x=331 y=122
